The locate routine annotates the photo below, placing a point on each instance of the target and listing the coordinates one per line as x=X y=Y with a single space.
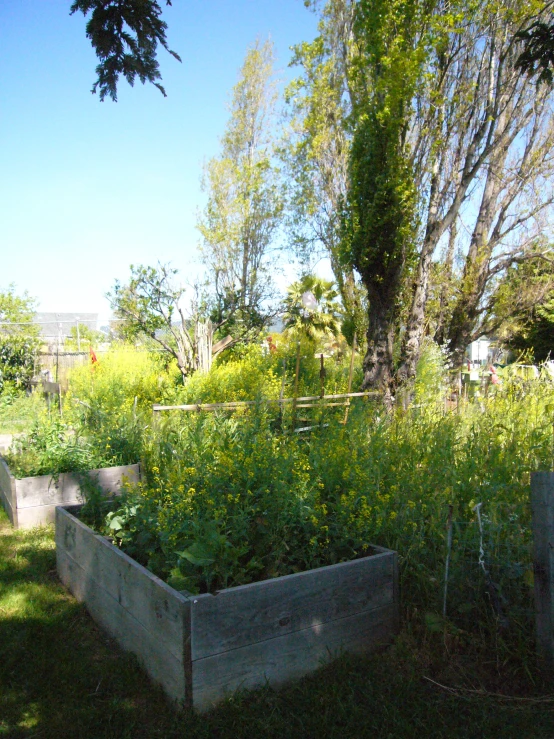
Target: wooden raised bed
x=32 y=501
x=201 y=648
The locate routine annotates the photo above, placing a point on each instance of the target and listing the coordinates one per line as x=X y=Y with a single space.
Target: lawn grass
x=60 y=676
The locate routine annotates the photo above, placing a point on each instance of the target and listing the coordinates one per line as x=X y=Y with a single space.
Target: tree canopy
x=125 y=36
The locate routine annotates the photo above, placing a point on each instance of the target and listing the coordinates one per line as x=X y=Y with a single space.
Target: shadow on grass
x=62 y=677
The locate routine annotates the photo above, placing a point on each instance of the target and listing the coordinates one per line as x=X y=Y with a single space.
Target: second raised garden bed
x=31 y=501
x=201 y=648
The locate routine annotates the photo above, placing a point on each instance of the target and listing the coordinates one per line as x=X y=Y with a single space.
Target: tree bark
x=477 y=264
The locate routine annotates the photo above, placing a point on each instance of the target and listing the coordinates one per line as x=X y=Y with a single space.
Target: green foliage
x=147 y=303
x=18 y=410
x=431 y=374
x=149 y=306
x=380 y=215
x=18 y=311
x=250 y=376
x=19 y=341
x=230 y=500
x=83 y=337
x=125 y=36
x=52 y=447
x=524 y=308
x=111 y=401
x=537 y=333
x=107 y=410
x=302 y=318
x=17 y=361
x=122 y=374
x=245 y=202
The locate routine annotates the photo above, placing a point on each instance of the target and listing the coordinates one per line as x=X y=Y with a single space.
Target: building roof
x=54 y=325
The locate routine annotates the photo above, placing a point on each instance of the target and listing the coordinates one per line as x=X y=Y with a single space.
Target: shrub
x=123 y=380
x=52 y=447
x=250 y=375
x=17 y=361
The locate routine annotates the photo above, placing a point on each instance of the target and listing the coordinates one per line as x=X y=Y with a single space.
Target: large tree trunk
x=411 y=346
x=378 y=361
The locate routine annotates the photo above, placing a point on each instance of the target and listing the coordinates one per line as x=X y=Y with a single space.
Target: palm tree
x=310 y=308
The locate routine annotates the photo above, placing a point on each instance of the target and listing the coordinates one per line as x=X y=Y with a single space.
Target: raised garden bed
x=201 y=648
x=32 y=501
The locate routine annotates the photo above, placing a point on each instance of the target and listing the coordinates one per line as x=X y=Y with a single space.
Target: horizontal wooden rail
x=318 y=405
x=231 y=405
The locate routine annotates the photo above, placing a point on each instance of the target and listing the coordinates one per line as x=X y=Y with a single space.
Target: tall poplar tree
x=245 y=205
x=380 y=208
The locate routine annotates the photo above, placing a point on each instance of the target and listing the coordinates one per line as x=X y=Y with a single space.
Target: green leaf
x=198 y=554
x=116 y=523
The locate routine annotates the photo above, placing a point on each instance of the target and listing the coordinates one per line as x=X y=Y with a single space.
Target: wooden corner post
x=542 y=507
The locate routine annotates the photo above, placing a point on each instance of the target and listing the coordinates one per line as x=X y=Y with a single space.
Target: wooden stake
x=350 y=375
x=448 y=551
x=282 y=393
x=295 y=393
x=542 y=508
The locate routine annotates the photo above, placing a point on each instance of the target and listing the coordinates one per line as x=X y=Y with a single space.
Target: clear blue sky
x=87 y=188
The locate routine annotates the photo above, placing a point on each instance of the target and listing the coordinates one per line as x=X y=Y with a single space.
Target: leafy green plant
x=227 y=500
x=52 y=447
x=17 y=361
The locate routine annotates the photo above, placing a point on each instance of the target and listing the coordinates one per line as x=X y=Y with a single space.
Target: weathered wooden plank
x=6 y=480
x=164 y=666
x=245 y=403
x=6 y=504
x=47 y=490
x=542 y=507
x=252 y=613
x=321 y=405
x=42 y=515
x=66 y=488
x=290 y=656
x=7 y=491
x=151 y=601
x=319 y=612
x=112 y=478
